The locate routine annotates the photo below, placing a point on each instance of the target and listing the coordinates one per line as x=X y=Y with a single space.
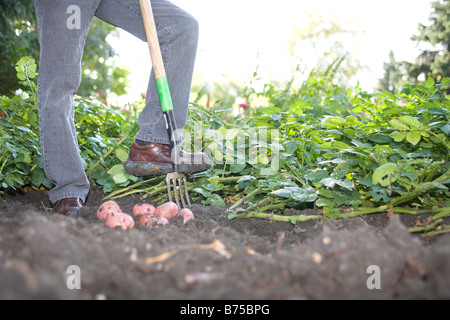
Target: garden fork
x=175 y=179
x=179 y=183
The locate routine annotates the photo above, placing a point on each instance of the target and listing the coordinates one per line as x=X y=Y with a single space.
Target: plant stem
x=3 y=165
x=263 y=201
x=446 y=145
x=443 y=213
x=419 y=190
x=246 y=198
x=431 y=226
x=161 y=187
x=151 y=190
x=296 y=176
x=385 y=208
x=229 y=179
x=133 y=186
x=443 y=229
x=279 y=205
x=275 y=217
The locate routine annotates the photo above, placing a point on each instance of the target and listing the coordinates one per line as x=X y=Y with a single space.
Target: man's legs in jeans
x=178 y=37
x=60 y=74
x=59 y=79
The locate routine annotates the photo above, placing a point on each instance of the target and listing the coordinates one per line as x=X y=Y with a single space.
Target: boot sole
x=153 y=169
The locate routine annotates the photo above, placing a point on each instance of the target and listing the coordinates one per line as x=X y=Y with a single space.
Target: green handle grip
x=164 y=94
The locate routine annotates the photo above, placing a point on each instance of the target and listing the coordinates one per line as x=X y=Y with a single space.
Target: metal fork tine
x=180 y=186
x=171 y=183
x=175 y=192
x=186 y=191
x=178 y=182
x=169 y=191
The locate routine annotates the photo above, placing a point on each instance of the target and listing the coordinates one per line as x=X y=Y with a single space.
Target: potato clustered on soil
x=145 y=215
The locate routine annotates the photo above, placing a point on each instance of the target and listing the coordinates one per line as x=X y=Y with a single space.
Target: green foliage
x=315 y=146
x=18 y=38
x=26 y=72
x=104 y=134
x=20 y=163
x=335 y=148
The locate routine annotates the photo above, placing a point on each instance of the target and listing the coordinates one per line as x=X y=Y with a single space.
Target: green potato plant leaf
x=385 y=174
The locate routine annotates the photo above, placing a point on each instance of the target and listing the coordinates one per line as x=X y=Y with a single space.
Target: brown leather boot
x=68 y=207
x=155 y=159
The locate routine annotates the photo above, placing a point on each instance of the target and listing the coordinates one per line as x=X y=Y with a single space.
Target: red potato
x=168 y=210
x=146 y=208
x=143 y=219
x=137 y=210
x=152 y=221
x=122 y=220
x=112 y=215
x=126 y=221
x=186 y=214
x=113 y=222
x=106 y=209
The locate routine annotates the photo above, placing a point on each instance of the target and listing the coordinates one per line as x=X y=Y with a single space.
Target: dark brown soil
x=212 y=257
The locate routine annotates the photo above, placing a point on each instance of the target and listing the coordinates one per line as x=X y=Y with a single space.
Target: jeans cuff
x=58 y=197
x=150 y=138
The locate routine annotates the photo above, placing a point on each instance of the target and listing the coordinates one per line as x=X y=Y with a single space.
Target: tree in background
x=221 y=92
x=395 y=75
x=18 y=38
x=434 y=61
x=316 y=37
x=100 y=74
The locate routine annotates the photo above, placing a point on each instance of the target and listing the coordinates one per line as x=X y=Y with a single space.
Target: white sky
x=238 y=35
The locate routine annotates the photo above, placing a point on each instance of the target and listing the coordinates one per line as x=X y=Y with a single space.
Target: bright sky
x=236 y=36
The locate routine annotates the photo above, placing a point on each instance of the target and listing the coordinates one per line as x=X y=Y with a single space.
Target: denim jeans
x=62 y=42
